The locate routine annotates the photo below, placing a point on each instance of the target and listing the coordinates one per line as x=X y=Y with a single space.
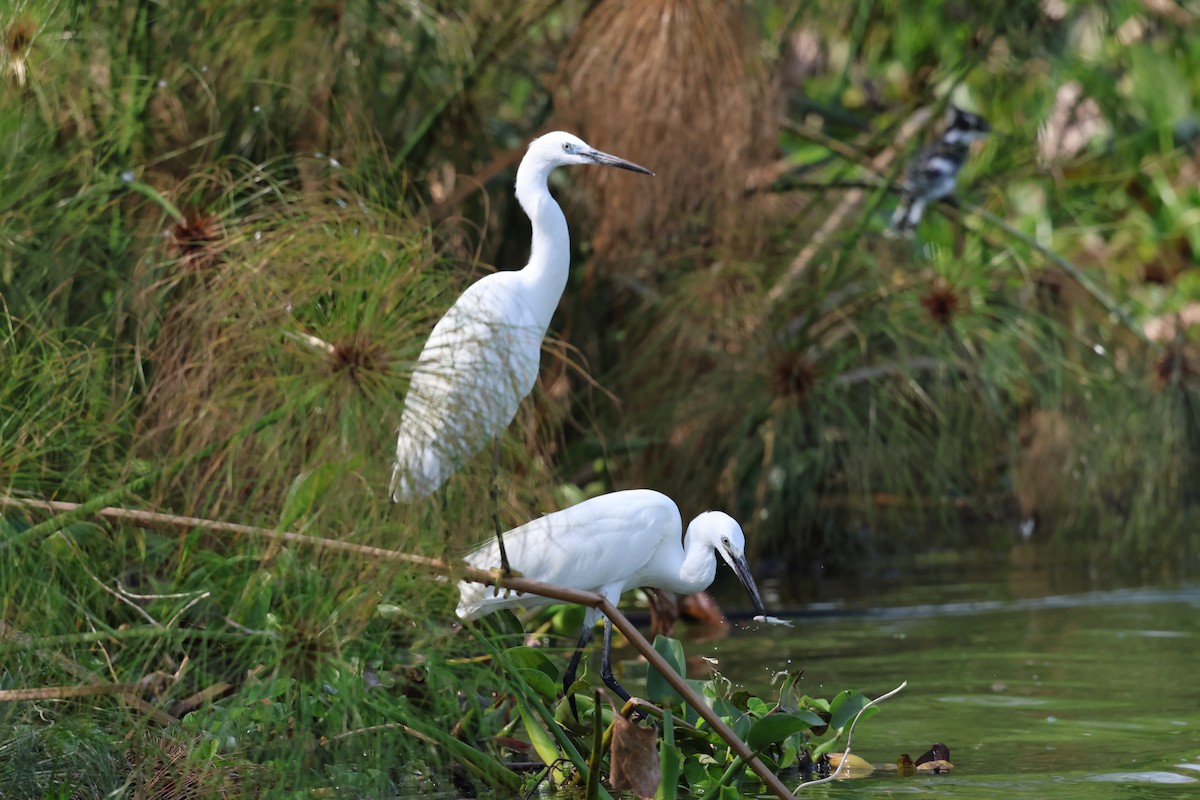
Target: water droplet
x=1099 y=348
x=127 y=176
x=333 y=162
x=162 y=83
x=204 y=68
x=257 y=109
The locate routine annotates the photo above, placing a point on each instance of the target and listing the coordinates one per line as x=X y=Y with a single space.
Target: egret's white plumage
x=608 y=545
x=482 y=357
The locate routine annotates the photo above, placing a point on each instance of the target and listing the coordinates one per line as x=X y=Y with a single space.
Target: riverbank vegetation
x=225 y=233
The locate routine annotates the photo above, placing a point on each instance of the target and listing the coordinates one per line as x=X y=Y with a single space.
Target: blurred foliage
x=226 y=230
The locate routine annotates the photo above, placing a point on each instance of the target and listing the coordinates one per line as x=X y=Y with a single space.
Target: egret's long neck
x=550 y=252
x=699 y=565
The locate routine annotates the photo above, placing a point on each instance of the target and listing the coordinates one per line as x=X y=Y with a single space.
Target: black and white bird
x=933 y=173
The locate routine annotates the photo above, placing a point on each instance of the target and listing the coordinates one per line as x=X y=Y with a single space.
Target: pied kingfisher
x=933 y=173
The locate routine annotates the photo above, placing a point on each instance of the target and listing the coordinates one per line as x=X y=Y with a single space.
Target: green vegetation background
x=227 y=226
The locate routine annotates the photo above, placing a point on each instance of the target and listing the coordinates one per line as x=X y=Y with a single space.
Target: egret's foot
x=503 y=574
x=505 y=570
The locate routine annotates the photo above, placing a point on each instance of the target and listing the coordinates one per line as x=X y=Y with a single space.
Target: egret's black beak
x=742 y=570
x=612 y=161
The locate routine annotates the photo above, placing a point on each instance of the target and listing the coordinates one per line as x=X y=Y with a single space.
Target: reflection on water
x=1087 y=694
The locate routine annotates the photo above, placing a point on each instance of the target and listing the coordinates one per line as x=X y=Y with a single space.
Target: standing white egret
x=608 y=545
x=482 y=357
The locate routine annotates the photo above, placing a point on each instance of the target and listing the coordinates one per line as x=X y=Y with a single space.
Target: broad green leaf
x=657 y=689
x=814 y=720
x=845 y=706
x=539 y=681
x=774 y=728
x=819 y=703
x=725 y=709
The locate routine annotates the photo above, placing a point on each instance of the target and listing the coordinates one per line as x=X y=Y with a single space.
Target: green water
x=1088 y=695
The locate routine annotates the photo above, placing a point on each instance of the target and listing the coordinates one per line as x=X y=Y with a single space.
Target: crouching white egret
x=608 y=545
x=482 y=357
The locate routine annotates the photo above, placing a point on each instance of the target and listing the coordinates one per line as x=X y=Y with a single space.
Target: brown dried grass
x=675 y=85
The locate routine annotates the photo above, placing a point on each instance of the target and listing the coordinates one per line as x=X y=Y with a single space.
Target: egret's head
x=725 y=535
x=559 y=149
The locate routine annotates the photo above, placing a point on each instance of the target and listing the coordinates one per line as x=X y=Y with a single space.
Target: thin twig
x=141 y=611
x=67 y=692
x=175 y=617
x=845 y=763
x=134 y=596
x=192 y=702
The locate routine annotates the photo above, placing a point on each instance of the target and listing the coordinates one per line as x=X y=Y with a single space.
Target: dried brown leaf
x=855 y=766
x=634 y=762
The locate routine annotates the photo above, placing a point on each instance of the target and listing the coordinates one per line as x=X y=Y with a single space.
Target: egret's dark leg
x=573 y=667
x=495 y=492
x=606 y=663
x=443 y=505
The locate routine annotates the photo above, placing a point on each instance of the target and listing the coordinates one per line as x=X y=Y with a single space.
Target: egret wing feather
x=479 y=362
x=602 y=543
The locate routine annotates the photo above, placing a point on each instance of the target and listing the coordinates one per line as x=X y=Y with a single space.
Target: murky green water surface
x=1085 y=694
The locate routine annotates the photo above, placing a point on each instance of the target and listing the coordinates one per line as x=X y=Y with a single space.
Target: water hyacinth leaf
x=774 y=728
x=845 y=706
x=539 y=682
x=814 y=720
x=725 y=709
x=634 y=763
x=657 y=689
x=758 y=707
